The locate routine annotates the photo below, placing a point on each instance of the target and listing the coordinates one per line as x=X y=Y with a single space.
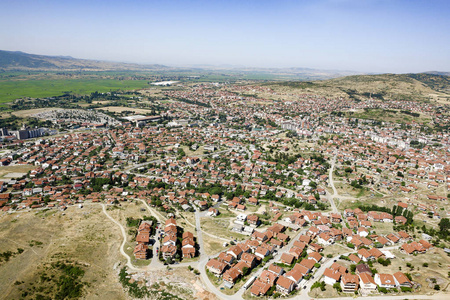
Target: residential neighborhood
x=274 y=194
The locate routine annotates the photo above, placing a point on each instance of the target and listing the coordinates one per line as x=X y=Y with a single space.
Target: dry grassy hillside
x=415 y=87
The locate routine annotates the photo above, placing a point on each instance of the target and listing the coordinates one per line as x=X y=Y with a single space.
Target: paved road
x=155 y=263
x=203 y=260
x=199 y=226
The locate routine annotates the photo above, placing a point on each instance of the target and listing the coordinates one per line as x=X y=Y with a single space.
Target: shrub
x=405 y=289
x=337 y=287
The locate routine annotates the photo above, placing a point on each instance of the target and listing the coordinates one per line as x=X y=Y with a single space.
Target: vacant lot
x=437 y=261
x=220 y=228
x=83 y=236
x=8 y=172
x=29 y=112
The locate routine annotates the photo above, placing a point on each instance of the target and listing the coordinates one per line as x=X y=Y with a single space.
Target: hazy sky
x=360 y=35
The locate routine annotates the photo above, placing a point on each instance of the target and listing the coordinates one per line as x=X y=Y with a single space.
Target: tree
x=337 y=287
x=444 y=224
x=169 y=260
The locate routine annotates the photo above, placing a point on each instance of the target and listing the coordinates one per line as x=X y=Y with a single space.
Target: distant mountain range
x=17 y=60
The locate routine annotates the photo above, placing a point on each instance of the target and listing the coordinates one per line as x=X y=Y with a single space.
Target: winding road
x=124 y=235
x=335 y=193
x=203 y=258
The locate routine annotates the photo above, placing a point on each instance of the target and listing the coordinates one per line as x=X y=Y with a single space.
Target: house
x=315 y=256
x=168 y=251
x=365 y=255
x=253 y=220
x=402 y=280
x=337 y=267
x=393 y=238
x=230 y=276
x=287 y=258
x=367 y=283
x=308 y=263
x=140 y=251
x=376 y=253
x=250 y=259
x=260 y=288
x=188 y=252
x=285 y=285
x=277 y=270
x=235 y=251
x=225 y=258
x=385 y=280
x=331 y=276
x=170 y=239
x=349 y=283
x=213 y=212
x=216 y=267
x=143 y=237
x=262 y=252
x=295 y=275
x=325 y=239
x=363 y=268
x=355 y=259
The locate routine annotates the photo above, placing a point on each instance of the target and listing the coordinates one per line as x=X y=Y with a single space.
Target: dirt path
x=124 y=235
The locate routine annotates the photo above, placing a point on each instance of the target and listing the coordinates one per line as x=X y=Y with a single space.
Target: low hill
x=415 y=87
x=16 y=60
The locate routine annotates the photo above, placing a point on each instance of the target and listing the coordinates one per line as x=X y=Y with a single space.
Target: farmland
x=39 y=88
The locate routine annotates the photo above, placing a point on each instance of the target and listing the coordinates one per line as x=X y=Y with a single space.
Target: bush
x=425 y=265
x=337 y=287
x=437 y=287
x=318 y=284
x=405 y=289
x=330 y=255
x=384 y=262
x=383 y=290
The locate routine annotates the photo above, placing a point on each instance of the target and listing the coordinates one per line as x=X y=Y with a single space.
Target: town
x=256 y=189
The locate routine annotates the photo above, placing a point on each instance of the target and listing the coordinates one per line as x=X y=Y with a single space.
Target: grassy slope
x=384 y=86
x=83 y=236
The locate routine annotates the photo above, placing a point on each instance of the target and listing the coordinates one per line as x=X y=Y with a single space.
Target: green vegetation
x=6 y=255
x=318 y=284
x=41 y=88
x=337 y=287
x=60 y=280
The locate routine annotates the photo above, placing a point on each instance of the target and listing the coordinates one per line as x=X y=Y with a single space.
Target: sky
x=395 y=36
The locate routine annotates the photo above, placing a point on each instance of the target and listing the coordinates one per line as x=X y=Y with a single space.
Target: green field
x=40 y=88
